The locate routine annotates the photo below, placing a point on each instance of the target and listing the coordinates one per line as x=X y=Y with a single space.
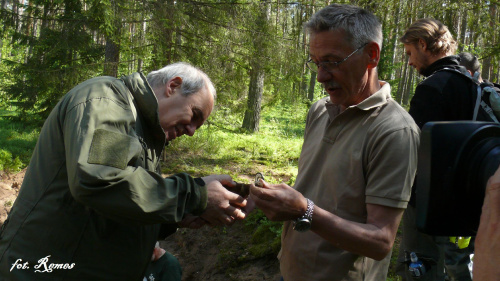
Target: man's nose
x=323 y=75
x=190 y=129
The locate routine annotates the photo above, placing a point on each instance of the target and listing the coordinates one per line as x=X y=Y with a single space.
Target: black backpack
x=487 y=97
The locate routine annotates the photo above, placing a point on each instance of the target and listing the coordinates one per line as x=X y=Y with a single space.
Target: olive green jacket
x=92 y=202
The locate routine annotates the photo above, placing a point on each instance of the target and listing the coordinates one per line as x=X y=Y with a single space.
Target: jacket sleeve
x=102 y=148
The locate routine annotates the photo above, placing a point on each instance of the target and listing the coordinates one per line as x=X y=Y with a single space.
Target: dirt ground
x=9 y=189
x=217 y=254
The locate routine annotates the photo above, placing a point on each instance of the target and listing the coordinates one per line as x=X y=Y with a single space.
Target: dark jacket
x=443 y=95
x=93 y=201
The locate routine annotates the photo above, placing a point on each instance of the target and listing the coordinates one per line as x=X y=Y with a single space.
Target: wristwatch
x=303 y=223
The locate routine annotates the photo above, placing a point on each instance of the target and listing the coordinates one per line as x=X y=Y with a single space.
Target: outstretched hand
x=487 y=244
x=279 y=202
x=223 y=207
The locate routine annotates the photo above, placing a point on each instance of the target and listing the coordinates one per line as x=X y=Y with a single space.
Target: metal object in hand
x=258 y=177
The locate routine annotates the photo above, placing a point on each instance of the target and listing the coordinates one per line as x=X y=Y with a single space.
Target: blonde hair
x=435 y=34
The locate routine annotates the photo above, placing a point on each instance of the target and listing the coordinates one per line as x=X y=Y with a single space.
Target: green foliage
x=266 y=237
x=53 y=60
x=16 y=144
x=9 y=163
x=225 y=148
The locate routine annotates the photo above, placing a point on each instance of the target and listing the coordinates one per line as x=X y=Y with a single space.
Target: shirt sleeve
x=102 y=149
x=391 y=168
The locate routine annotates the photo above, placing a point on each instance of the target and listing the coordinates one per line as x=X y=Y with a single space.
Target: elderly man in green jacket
x=93 y=202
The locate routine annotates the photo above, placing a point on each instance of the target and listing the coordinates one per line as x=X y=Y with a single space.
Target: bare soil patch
x=9 y=189
x=219 y=254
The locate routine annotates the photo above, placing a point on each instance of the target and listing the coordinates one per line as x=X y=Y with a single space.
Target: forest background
x=254 y=51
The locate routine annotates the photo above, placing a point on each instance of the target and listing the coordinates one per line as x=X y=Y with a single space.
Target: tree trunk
x=312 y=84
x=257 y=72
x=252 y=114
x=402 y=81
x=407 y=93
x=112 y=49
x=163 y=27
x=112 y=58
x=463 y=30
x=395 y=37
x=486 y=67
x=139 y=65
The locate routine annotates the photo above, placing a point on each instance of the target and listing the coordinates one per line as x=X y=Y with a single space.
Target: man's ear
x=422 y=44
x=172 y=84
x=374 y=53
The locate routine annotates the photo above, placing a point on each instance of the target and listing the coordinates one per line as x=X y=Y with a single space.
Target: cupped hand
x=279 y=202
x=223 y=207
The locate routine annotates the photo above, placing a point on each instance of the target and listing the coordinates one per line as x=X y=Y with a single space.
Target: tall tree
x=53 y=45
x=257 y=71
x=59 y=50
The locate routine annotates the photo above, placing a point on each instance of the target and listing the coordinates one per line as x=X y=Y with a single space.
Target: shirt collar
x=377 y=99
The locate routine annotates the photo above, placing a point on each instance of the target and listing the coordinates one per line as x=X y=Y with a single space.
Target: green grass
x=215 y=149
x=17 y=141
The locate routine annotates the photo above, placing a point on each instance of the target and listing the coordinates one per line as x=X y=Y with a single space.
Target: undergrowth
x=17 y=141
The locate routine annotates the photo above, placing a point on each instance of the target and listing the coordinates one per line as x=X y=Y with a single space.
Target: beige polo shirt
x=366 y=154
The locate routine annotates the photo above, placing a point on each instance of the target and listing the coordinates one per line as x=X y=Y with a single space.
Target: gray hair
x=360 y=25
x=193 y=79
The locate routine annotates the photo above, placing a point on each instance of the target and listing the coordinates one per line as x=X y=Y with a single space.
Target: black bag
x=487 y=97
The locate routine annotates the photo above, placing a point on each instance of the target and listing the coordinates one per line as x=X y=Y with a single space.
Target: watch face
x=302 y=225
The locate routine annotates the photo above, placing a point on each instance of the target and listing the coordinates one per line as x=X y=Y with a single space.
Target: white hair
x=193 y=79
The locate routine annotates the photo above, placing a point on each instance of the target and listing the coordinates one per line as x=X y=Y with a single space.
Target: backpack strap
x=478 y=102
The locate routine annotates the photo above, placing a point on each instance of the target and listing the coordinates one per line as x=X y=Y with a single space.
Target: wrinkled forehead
x=328 y=43
x=204 y=102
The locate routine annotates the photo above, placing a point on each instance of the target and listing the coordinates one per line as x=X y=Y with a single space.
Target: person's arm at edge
x=487 y=243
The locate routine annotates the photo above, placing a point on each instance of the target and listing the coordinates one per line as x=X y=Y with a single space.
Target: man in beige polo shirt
x=357 y=164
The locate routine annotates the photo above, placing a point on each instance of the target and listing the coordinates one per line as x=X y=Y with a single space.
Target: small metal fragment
x=258 y=177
